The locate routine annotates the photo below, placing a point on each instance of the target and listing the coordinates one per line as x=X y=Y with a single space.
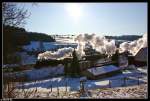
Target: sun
x=74 y=10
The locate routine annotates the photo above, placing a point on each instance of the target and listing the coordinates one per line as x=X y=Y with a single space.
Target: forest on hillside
x=15 y=37
x=125 y=37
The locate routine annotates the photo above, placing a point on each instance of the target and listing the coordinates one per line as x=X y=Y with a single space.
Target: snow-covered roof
x=142 y=54
x=103 y=69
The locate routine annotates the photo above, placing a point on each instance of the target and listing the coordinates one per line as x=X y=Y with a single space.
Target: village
x=96 y=71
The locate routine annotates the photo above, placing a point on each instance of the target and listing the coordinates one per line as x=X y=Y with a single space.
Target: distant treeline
x=124 y=37
x=21 y=37
x=14 y=38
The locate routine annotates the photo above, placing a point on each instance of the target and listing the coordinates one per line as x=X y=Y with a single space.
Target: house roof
x=141 y=54
x=103 y=69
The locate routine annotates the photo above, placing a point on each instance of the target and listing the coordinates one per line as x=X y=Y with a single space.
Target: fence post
x=138 y=80
x=66 y=86
x=51 y=88
x=109 y=84
x=124 y=81
x=57 y=90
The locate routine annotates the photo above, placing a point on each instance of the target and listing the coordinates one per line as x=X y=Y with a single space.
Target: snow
x=73 y=84
x=132 y=92
x=34 y=45
x=142 y=70
x=26 y=59
x=36 y=74
x=83 y=79
x=44 y=72
x=103 y=69
x=138 y=92
x=131 y=67
x=65 y=40
x=102 y=83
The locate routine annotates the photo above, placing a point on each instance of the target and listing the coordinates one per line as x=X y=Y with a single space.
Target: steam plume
x=61 y=53
x=134 y=46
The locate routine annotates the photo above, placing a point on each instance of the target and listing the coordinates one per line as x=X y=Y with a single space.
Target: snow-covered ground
x=65 y=40
x=44 y=72
x=27 y=59
x=36 y=74
x=73 y=84
x=132 y=92
x=34 y=45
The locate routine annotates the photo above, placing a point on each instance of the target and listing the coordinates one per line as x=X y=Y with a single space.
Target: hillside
x=14 y=38
x=124 y=37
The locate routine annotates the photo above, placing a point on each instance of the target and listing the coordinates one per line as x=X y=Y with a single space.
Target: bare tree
x=13 y=15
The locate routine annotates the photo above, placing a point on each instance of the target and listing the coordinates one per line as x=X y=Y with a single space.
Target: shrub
x=43 y=63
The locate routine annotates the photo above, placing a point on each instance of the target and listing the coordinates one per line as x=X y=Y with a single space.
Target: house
x=140 y=58
x=101 y=72
x=141 y=55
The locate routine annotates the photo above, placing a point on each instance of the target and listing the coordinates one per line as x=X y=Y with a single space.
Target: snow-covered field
x=73 y=84
x=131 y=92
x=48 y=46
x=44 y=72
x=65 y=40
x=34 y=45
x=27 y=59
x=36 y=74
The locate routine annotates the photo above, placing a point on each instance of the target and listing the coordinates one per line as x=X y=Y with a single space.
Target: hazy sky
x=99 y=18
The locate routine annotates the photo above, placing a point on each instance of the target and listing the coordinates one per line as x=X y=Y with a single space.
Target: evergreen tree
x=66 y=68
x=115 y=57
x=75 y=68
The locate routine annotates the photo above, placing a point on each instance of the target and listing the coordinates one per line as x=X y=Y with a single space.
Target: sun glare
x=74 y=10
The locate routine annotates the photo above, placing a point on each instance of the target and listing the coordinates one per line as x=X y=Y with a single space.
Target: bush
x=43 y=63
x=12 y=69
x=115 y=56
x=16 y=69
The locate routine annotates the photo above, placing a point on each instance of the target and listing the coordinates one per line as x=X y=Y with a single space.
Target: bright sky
x=99 y=18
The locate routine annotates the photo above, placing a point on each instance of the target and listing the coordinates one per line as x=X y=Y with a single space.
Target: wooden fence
x=124 y=82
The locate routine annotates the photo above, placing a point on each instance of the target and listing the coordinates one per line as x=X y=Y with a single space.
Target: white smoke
x=100 y=44
x=61 y=53
x=134 y=46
